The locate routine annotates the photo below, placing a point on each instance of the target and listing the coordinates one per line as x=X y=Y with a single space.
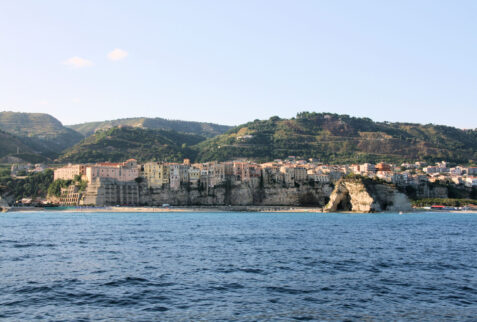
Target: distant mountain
x=198 y=128
x=122 y=143
x=42 y=132
x=337 y=138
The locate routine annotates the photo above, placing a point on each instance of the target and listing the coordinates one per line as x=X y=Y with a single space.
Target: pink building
x=124 y=171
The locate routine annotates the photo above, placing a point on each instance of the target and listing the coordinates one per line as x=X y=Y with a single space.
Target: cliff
x=364 y=195
x=3 y=205
x=241 y=194
x=108 y=192
x=356 y=195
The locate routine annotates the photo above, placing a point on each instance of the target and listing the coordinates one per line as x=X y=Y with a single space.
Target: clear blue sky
x=234 y=61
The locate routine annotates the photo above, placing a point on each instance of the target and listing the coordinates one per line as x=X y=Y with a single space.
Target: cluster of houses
x=415 y=173
x=288 y=172
x=119 y=179
x=209 y=174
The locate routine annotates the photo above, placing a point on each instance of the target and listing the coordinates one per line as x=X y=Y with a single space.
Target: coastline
x=199 y=209
x=171 y=209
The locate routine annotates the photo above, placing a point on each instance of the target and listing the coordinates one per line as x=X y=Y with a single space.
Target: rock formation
x=240 y=194
x=364 y=195
x=106 y=192
x=357 y=195
x=102 y=192
x=3 y=204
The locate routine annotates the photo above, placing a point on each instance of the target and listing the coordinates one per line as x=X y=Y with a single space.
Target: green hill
x=14 y=148
x=198 y=128
x=337 y=138
x=42 y=132
x=121 y=143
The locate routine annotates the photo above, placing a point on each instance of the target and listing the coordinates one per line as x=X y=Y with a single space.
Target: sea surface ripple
x=237 y=266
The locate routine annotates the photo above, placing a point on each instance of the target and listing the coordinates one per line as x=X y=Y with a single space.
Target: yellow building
x=156 y=174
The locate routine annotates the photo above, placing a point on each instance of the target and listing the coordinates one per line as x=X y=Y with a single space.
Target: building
x=300 y=174
x=367 y=167
x=194 y=176
x=123 y=172
x=381 y=166
x=178 y=174
x=69 y=172
x=288 y=175
x=241 y=170
x=70 y=196
x=292 y=174
x=319 y=177
x=156 y=174
x=431 y=169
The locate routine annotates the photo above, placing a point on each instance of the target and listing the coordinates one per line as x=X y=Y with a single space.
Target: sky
x=231 y=62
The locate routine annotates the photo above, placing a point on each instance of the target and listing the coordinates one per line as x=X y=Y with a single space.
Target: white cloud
x=43 y=102
x=76 y=100
x=77 y=62
x=117 y=54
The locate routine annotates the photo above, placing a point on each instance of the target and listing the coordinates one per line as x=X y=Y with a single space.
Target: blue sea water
x=238 y=266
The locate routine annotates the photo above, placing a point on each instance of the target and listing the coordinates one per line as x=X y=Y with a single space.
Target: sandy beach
x=172 y=209
x=198 y=209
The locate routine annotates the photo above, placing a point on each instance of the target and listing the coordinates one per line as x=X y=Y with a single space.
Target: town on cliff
x=289 y=182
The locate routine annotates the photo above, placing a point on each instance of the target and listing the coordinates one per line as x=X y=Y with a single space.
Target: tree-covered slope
x=340 y=138
x=198 y=128
x=122 y=143
x=15 y=148
x=42 y=132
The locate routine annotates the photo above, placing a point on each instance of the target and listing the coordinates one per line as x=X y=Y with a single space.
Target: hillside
x=337 y=138
x=42 y=132
x=10 y=145
x=198 y=128
x=121 y=143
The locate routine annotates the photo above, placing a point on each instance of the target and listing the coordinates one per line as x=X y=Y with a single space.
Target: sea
x=58 y=266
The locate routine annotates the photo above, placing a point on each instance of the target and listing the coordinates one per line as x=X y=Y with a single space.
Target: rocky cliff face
x=104 y=192
x=355 y=195
x=359 y=195
x=3 y=204
x=6 y=200
x=107 y=192
x=240 y=194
